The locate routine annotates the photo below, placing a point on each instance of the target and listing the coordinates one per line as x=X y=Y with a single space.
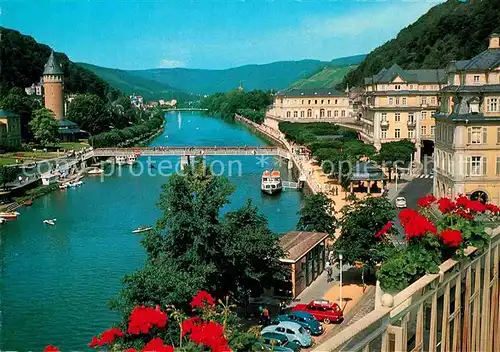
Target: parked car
x=305 y=319
x=276 y=342
x=293 y=331
x=323 y=310
x=400 y=202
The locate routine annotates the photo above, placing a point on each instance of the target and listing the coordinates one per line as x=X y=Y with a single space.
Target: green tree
x=44 y=126
x=90 y=113
x=7 y=174
x=317 y=214
x=359 y=223
x=397 y=153
x=18 y=102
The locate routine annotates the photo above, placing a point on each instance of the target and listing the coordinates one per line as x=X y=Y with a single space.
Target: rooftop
x=410 y=76
x=366 y=171
x=488 y=59
x=309 y=92
x=299 y=243
x=52 y=67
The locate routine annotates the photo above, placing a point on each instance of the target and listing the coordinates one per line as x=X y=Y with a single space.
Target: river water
x=55 y=282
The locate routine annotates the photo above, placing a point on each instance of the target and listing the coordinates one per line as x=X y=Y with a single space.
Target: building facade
x=53 y=75
x=467 y=156
x=310 y=104
x=400 y=104
x=10 y=130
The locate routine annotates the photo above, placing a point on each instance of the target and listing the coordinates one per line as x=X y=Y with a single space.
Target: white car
x=400 y=202
x=293 y=331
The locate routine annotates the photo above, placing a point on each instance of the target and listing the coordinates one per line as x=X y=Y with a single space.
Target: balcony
x=411 y=123
x=384 y=123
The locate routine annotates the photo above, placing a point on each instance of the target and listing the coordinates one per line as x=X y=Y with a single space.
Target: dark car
x=307 y=320
x=275 y=342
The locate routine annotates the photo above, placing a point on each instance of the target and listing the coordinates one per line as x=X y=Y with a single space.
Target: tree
x=44 y=126
x=397 y=153
x=7 y=174
x=317 y=214
x=90 y=113
x=359 y=223
x=16 y=101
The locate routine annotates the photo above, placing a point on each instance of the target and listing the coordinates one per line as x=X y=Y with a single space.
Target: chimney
x=494 y=41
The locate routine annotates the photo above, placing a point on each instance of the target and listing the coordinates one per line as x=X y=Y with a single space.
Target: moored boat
x=121 y=160
x=50 y=222
x=271 y=182
x=63 y=186
x=142 y=229
x=9 y=215
x=95 y=171
x=131 y=160
x=2 y=221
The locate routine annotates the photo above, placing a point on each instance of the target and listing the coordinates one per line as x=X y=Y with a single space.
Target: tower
x=53 y=86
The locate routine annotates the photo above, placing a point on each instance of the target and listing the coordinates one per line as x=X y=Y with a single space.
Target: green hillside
x=23 y=59
x=276 y=75
x=454 y=30
x=129 y=83
x=329 y=76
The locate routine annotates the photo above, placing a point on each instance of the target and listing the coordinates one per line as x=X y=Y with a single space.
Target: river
x=55 y=282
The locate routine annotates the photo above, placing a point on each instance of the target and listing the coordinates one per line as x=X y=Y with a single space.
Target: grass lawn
x=7 y=161
x=72 y=145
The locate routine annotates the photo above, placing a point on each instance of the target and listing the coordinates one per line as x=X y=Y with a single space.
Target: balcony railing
x=411 y=123
x=384 y=123
x=454 y=310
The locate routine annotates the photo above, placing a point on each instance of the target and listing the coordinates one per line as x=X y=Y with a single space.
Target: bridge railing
x=455 y=310
x=191 y=151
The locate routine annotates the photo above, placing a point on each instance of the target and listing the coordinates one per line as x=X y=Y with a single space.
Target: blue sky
x=211 y=34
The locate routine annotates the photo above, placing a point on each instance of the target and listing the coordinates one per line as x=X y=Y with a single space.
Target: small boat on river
x=50 y=222
x=9 y=215
x=95 y=171
x=2 y=221
x=142 y=229
x=63 y=186
x=271 y=182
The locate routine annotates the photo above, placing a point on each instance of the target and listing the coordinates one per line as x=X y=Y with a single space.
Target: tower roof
x=52 y=67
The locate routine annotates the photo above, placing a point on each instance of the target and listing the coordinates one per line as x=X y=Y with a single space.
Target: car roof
x=400 y=198
x=321 y=302
x=274 y=335
x=289 y=324
x=301 y=314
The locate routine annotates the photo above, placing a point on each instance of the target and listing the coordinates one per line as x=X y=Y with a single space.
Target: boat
x=50 y=222
x=63 y=186
x=271 y=182
x=131 y=160
x=142 y=229
x=28 y=203
x=9 y=215
x=95 y=171
x=2 y=221
x=75 y=183
x=121 y=160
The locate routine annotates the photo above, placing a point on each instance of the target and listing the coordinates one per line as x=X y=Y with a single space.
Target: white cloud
x=167 y=63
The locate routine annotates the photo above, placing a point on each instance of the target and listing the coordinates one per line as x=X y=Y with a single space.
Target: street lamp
x=341 y=256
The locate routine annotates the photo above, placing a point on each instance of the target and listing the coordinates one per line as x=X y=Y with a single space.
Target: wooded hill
x=454 y=30
x=23 y=59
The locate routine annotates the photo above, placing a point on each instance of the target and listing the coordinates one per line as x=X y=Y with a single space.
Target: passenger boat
x=271 y=182
x=9 y=215
x=95 y=171
x=50 y=222
x=142 y=229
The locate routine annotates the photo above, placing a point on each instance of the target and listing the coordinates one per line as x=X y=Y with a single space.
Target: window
x=404 y=101
x=288 y=331
x=397 y=87
x=477 y=135
x=336 y=113
x=316 y=101
x=295 y=113
x=288 y=114
x=322 y=101
x=411 y=117
x=329 y=113
x=411 y=86
x=391 y=101
x=309 y=102
x=397 y=101
x=423 y=115
x=342 y=113
x=302 y=114
x=309 y=113
x=384 y=116
x=433 y=100
x=328 y=101
x=433 y=130
x=397 y=133
x=322 y=113
x=423 y=130
x=411 y=134
x=424 y=101
x=476 y=165
x=397 y=117
x=383 y=134
x=492 y=105
x=302 y=101
x=476 y=78
x=448 y=164
x=336 y=101
x=280 y=329
x=498 y=135
x=498 y=166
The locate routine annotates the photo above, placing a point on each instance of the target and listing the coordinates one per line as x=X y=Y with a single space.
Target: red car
x=322 y=310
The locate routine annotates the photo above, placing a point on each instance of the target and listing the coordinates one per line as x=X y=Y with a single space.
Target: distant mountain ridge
x=454 y=30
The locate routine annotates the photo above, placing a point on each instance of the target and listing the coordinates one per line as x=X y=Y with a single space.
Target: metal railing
x=190 y=151
x=457 y=309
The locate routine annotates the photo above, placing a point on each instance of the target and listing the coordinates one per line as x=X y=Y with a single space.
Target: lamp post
x=341 y=256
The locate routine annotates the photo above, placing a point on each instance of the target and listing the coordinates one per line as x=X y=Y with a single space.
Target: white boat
x=9 y=215
x=63 y=186
x=142 y=229
x=131 y=160
x=271 y=182
x=121 y=160
x=2 y=221
x=95 y=171
x=50 y=222
x=75 y=183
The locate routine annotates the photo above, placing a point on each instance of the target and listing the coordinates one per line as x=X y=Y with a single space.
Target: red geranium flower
x=426 y=202
x=406 y=215
x=451 y=238
x=211 y=335
x=492 y=208
x=200 y=299
x=462 y=213
x=190 y=324
x=477 y=206
x=384 y=230
x=156 y=345
x=142 y=319
x=446 y=205
x=415 y=225
x=107 y=337
x=51 y=348
x=461 y=201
